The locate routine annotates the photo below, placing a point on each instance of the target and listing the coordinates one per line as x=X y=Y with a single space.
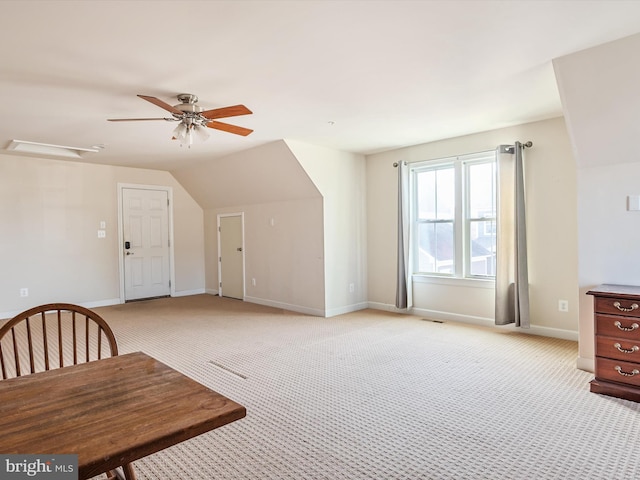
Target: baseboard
x=482 y=321
x=10 y=314
x=388 y=308
x=102 y=303
x=99 y=303
x=453 y=317
x=586 y=364
x=211 y=291
x=316 y=312
x=186 y=293
x=332 y=312
x=551 y=332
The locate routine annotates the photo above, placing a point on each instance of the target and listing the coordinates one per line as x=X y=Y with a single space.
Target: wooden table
x=109 y=412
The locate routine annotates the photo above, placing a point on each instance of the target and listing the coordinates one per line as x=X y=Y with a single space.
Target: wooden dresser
x=617 y=341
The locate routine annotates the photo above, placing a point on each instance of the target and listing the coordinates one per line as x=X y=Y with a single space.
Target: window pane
x=436 y=194
x=482 y=238
x=482 y=184
x=446 y=194
x=436 y=248
x=426 y=189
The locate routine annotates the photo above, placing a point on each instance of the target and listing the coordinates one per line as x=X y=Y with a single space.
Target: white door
x=145 y=227
x=231 y=256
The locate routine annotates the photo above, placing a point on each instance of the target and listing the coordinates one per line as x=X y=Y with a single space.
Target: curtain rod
x=511 y=148
x=527 y=144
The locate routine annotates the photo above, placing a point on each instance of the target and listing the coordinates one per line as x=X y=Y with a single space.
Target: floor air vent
x=227 y=369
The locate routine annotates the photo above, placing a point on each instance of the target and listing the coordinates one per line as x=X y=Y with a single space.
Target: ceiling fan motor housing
x=188 y=104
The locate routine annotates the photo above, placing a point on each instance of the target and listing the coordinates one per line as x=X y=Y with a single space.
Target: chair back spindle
x=69 y=333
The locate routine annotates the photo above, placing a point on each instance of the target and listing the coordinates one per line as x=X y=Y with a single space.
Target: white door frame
x=241 y=215
x=136 y=186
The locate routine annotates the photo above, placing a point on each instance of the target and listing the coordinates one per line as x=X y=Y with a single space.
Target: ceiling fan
x=193 y=119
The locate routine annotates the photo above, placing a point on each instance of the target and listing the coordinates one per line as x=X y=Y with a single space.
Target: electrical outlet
x=563 y=306
x=102 y=234
x=253 y=282
x=352 y=288
x=24 y=292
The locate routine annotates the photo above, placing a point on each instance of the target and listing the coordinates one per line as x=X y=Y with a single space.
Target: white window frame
x=461 y=223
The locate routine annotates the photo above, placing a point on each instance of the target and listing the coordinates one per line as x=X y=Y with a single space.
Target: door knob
x=129 y=253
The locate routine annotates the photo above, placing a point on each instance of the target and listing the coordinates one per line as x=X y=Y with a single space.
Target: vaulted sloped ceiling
x=264 y=174
x=599 y=88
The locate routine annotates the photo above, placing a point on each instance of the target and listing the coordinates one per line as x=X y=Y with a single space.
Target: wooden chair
x=56 y=335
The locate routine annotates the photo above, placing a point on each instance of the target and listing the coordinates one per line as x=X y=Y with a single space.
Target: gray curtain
x=404 y=295
x=512 y=282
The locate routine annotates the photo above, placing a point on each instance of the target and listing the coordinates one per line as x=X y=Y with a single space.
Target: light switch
x=103 y=224
x=633 y=202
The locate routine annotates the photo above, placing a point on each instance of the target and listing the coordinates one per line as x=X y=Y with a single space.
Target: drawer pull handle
x=626 y=329
x=633 y=349
x=625 y=309
x=627 y=374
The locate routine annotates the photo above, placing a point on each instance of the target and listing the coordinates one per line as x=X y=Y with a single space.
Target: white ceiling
x=360 y=76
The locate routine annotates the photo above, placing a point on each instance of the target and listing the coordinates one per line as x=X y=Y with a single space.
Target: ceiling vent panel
x=48 y=150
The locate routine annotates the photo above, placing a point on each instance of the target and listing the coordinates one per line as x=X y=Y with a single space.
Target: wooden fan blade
x=134 y=119
x=225 y=127
x=224 y=112
x=161 y=104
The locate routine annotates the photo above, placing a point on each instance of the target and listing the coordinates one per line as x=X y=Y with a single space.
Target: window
x=454 y=216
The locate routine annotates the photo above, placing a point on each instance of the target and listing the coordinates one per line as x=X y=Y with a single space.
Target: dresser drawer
x=618 y=326
x=618 y=371
x=618 y=348
x=617 y=306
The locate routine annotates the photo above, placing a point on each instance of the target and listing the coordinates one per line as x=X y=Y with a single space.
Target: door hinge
x=167 y=202
x=169 y=283
x=219 y=259
x=220 y=284
x=219 y=229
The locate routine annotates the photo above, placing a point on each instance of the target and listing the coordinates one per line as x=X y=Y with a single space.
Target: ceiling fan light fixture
x=202 y=133
x=190 y=136
x=180 y=132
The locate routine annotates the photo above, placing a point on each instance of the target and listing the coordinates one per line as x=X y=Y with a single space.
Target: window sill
x=455 y=282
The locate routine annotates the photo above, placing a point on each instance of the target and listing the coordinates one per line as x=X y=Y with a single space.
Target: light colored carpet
x=375 y=395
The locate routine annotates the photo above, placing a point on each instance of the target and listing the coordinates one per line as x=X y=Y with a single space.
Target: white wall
x=283 y=252
x=609 y=238
x=340 y=177
x=599 y=92
x=286 y=258
x=552 y=230
x=50 y=211
x=316 y=248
